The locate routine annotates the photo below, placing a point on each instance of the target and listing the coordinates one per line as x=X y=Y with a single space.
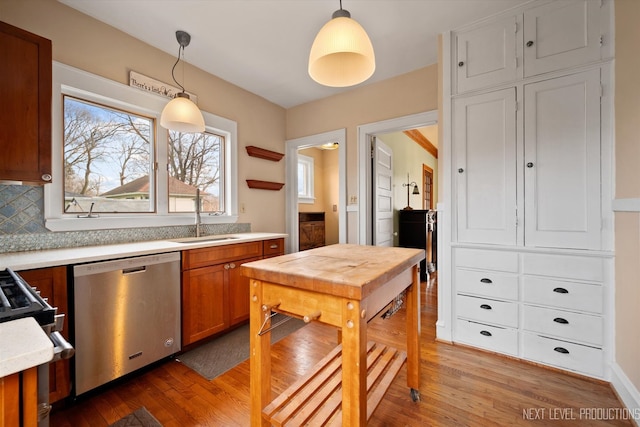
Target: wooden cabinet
x=52 y=284
x=25 y=117
x=484 y=138
x=311 y=231
x=19 y=398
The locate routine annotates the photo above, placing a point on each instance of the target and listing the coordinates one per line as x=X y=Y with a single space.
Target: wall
x=85 y=43
x=627 y=224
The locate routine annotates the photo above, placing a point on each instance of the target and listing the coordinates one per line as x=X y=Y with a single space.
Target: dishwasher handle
x=133 y=270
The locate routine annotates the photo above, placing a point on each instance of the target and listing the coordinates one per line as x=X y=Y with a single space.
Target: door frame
x=291 y=178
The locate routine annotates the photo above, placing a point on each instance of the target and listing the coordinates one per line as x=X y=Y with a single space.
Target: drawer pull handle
x=485 y=280
x=561 y=350
x=485 y=333
x=273 y=246
x=561 y=321
x=561 y=291
x=485 y=307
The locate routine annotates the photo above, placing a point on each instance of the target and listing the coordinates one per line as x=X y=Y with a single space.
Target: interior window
x=305 y=179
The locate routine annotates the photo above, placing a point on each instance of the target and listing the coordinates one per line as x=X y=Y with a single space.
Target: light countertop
x=24 y=345
x=53 y=257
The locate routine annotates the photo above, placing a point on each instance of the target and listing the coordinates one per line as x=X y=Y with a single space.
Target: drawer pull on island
x=561 y=321
x=485 y=280
x=485 y=307
x=485 y=333
x=561 y=291
x=561 y=350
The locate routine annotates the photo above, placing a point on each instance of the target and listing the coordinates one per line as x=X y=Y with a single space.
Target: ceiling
x=263 y=45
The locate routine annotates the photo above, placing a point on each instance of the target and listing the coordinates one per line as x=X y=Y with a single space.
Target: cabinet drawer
x=487 y=283
x=487 y=260
x=488 y=310
x=494 y=338
x=273 y=247
x=564 y=324
x=562 y=294
x=574 y=357
x=564 y=266
x=201 y=257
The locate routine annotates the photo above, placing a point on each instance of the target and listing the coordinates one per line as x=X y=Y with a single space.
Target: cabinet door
x=487 y=55
x=25 y=127
x=561 y=34
x=485 y=163
x=52 y=284
x=562 y=162
x=204 y=308
x=239 y=292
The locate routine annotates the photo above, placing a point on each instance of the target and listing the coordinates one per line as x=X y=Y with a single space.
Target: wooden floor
x=459 y=386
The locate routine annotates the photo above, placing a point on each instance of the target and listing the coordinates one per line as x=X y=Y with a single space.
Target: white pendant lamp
x=341 y=54
x=181 y=114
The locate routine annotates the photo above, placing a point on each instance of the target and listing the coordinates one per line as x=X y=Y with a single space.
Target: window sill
x=133 y=221
x=306 y=200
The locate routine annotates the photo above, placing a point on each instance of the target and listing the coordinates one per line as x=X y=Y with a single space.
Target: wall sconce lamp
x=341 y=54
x=415 y=191
x=181 y=114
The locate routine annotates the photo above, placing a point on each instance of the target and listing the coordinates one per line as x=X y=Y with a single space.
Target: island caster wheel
x=415 y=395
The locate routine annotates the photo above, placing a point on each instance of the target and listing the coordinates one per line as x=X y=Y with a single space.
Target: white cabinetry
x=531 y=181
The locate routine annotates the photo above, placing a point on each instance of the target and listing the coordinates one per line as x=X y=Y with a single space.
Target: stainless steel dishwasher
x=126 y=316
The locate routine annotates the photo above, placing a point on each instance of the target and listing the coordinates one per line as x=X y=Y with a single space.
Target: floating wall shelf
x=264 y=185
x=264 y=154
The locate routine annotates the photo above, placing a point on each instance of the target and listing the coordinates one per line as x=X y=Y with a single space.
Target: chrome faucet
x=198 y=219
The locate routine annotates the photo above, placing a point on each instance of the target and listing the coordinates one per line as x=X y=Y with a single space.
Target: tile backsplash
x=22 y=226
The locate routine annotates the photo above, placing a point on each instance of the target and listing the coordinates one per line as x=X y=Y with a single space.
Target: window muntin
x=305 y=179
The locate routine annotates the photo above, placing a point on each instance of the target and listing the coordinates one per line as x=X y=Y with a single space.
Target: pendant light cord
x=180 y=50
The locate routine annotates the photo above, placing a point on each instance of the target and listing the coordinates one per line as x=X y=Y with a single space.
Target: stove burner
x=18 y=300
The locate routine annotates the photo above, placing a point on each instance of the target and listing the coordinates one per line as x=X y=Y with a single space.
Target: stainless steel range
x=19 y=300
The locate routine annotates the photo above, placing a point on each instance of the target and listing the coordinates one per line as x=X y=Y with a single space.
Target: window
x=305 y=179
x=112 y=158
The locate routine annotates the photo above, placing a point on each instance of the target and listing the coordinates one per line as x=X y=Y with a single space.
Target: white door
x=487 y=55
x=484 y=138
x=382 y=193
x=561 y=34
x=562 y=162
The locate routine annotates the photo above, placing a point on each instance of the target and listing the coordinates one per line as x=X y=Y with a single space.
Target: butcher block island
x=344 y=286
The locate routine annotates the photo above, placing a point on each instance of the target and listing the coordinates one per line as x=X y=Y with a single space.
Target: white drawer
x=574 y=357
x=487 y=310
x=487 y=260
x=494 y=338
x=564 y=266
x=562 y=294
x=487 y=283
x=564 y=324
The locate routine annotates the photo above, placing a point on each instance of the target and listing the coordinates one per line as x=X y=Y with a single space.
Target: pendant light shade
x=341 y=54
x=181 y=114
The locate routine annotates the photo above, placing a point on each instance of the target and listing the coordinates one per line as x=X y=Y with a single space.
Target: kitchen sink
x=189 y=240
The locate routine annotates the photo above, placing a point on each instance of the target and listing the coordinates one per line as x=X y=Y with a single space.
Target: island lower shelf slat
x=316 y=398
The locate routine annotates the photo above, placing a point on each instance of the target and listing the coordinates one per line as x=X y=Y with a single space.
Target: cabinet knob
x=529 y=165
x=561 y=350
x=232 y=265
x=485 y=333
x=461 y=64
x=485 y=280
x=530 y=43
x=561 y=321
x=485 y=307
x=460 y=170
x=226 y=266
x=560 y=291
x=46 y=177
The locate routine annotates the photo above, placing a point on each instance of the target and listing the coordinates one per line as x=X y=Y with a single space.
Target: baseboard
x=626 y=391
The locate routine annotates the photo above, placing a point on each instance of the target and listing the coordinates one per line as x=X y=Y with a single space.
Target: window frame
x=308 y=197
x=72 y=81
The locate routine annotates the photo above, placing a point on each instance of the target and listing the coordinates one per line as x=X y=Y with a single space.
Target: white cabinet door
x=485 y=167
x=561 y=34
x=562 y=162
x=487 y=55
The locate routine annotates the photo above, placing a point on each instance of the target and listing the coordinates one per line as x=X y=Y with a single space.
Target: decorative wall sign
x=149 y=84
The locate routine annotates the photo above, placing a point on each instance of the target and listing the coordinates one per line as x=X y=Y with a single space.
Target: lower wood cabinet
x=52 y=284
x=215 y=296
x=311 y=230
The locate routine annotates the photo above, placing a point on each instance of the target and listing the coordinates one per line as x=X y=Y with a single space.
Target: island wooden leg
x=260 y=357
x=413 y=335
x=354 y=365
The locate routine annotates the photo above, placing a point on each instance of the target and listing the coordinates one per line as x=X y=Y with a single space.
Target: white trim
x=291 y=189
x=626 y=391
x=626 y=205
x=72 y=81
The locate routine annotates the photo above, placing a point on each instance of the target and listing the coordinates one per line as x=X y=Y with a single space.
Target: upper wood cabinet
x=550 y=37
x=25 y=115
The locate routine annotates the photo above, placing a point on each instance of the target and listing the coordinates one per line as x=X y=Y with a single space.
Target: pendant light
x=341 y=54
x=181 y=114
